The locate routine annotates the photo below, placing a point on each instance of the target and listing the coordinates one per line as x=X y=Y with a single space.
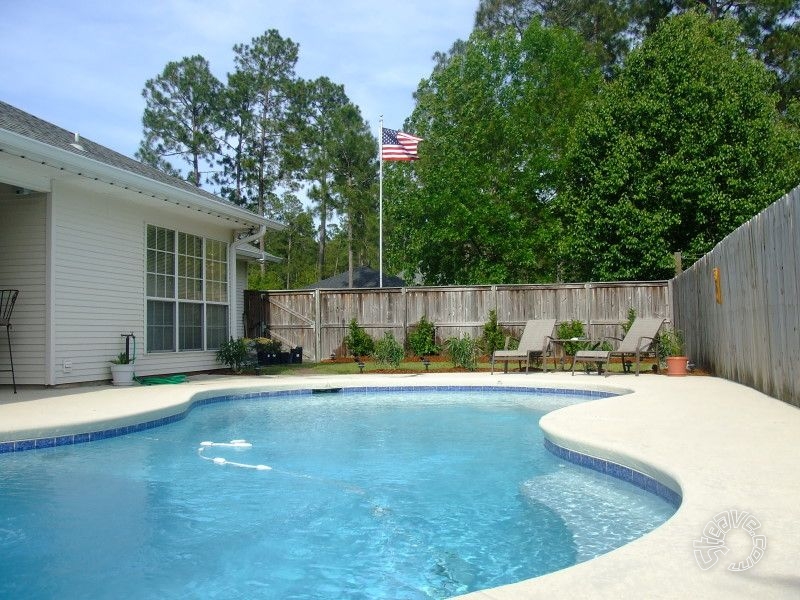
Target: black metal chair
x=7 y=300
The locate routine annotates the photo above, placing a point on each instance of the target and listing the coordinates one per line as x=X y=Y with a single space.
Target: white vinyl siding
x=100 y=280
x=23 y=244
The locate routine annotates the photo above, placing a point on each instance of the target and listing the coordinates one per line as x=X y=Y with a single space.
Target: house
x=363 y=277
x=100 y=245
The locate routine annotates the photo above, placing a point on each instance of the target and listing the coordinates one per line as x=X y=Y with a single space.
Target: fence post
x=588 y=300
x=317 y=327
x=405 y=315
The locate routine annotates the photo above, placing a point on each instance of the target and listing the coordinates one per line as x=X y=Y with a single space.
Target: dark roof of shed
x=18 y=121
x=363 y=277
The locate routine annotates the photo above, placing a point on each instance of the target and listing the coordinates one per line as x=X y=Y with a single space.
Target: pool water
x=422 y=494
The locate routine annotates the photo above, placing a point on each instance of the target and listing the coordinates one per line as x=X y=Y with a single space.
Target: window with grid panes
x=187 y=291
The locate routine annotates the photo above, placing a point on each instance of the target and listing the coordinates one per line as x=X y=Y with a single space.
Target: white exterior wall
x=99 y=280
x=23 y=266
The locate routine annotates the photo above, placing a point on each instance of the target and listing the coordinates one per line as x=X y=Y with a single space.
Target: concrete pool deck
x=724 y=446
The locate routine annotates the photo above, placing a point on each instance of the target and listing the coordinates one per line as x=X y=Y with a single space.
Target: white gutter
x=78 y=164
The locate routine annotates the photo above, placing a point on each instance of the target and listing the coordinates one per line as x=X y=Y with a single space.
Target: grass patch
x=415 y=366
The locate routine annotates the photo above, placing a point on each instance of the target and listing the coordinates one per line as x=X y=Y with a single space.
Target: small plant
x=463 y=352
x=626 y=326
x=493 y=335
x=422 y=341
x=568 y=330
x=122 y=359
x=358 y=341
x=234 y=354
x=388 y=351
x=265 y=344
x=670 y=343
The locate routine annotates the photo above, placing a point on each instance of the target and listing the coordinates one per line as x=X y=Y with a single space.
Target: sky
x=82 y=65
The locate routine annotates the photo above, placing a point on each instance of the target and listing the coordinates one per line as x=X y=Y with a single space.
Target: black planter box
x=296 y=355
x=267 y=358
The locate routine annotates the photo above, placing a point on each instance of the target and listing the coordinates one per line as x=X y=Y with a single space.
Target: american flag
x=397 y=145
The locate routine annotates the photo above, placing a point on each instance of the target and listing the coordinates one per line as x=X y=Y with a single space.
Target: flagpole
x=380 y=204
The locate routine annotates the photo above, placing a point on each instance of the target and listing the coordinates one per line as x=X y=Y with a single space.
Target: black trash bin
x=296 y=355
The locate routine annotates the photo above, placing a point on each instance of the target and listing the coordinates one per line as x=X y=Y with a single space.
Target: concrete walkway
x=725 y=447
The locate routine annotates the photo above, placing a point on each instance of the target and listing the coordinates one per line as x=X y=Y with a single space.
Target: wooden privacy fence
x=738 y=305
x=318 y=320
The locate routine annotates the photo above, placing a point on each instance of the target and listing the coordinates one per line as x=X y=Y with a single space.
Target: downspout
x=233 y=301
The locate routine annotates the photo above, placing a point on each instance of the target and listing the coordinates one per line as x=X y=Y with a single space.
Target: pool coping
x=143 y=423
x=722 y=445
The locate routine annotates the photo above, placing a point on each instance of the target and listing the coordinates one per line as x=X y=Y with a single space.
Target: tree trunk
x=349 y=252
x=288 y=258
x=323 y=213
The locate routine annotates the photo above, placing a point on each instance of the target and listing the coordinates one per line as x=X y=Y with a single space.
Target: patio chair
x=640 y=341
x=534 y=343
x=7 y=300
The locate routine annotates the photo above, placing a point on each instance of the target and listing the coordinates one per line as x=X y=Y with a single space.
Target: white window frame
x=210 y=266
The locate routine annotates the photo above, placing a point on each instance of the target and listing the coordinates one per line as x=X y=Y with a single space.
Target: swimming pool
x=408 y=494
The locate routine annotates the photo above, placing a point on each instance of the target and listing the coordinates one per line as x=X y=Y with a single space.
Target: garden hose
x=161 y=379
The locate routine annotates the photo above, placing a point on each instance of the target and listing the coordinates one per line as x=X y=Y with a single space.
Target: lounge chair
x=638 y=342
x=533 y=344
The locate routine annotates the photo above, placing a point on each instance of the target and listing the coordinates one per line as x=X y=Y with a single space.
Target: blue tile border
x=90 y=436
x=640 y=480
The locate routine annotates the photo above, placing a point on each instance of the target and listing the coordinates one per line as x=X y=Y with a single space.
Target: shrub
x=234 y=354
x=422 y=341
x=629 y=323
x=264 y=344
x=463 y=352
x=388 y=351
x=568 y=330
x=358 y=341
x=670 y=343
x=493 y=335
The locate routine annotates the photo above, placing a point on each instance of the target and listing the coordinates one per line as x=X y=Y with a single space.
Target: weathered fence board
x=317 y=320
x=753 y=336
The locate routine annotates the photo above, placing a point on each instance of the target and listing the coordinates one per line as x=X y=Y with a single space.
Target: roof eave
x=25 y=147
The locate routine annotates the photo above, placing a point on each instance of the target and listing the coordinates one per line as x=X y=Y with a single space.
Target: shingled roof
x=363 y=277
x=18 y=121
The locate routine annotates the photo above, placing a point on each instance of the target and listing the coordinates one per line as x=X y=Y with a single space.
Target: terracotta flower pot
x=676 y=366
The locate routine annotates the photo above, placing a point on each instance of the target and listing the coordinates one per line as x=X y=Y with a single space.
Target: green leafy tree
x=181 y=117
x=296 y=245
x=495 y=116
x=684 y=146
x=354 y=177
x=769 y=28
x=603 y=24
x=262 y=91
x=321 y=101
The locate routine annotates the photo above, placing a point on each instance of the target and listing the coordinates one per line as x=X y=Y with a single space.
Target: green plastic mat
x=158 y=380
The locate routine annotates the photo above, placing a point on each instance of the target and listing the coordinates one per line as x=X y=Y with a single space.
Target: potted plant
x=670 y=350
x=122 y=369
x=267 y=350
